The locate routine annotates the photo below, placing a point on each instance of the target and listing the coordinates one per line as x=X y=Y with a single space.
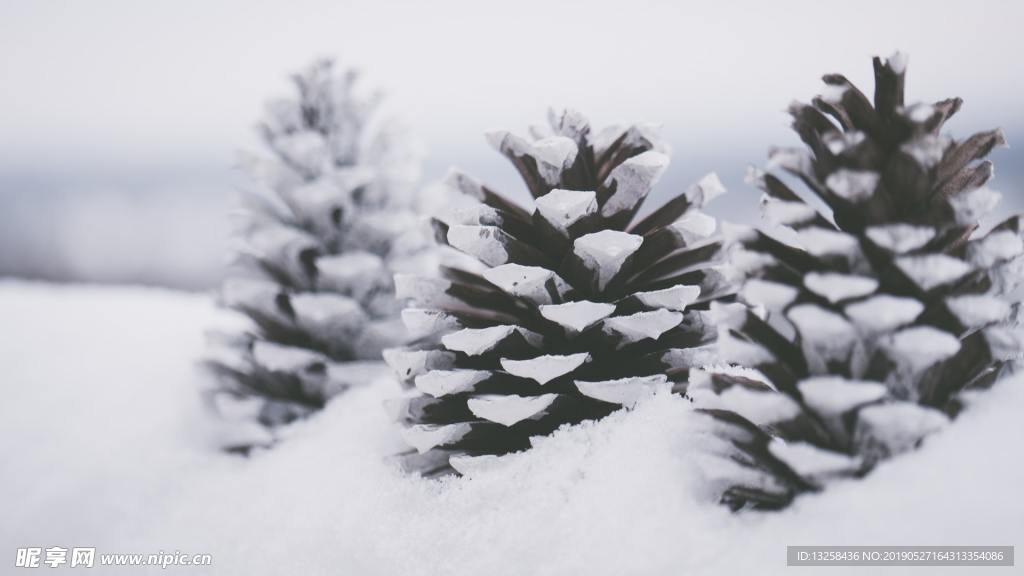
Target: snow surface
x=105 y=443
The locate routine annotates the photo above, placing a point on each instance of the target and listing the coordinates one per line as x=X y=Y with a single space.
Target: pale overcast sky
x=129 y=79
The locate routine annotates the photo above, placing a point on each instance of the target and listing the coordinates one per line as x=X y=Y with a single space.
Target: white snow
x=796 y=160
x=824 y=242
x=563 y=208
x=439 y=383
x=1005 y=342
x=835 y=287
x=605 y=252
x=898 y=426
x=458 y=180
x=771 y=295
x=354 y=273
x=694 y=226
x=508 y=409
x=740 y=351
x=109 y=447
x=760 y=407
x=412 y=363
x=476 y=341
x=785 y=213
x=853 y=185
x=676 y=298
x=424 y=291
x=932 y=270
x=919 y=347
x=706 y=189
x=920 y=112
x=329 y=317
x=633 y=179
x=883 y=313
x=471 y=215
x=554 y=154
x=486 y=243
x=834 y=395
x=423 y=322
x=690 y=357
x=544 y=369
x=643 y=325
x=839 y=142
x=576 y=316
x=901 y=238
x=833 y=93
x=898 y=62
x=250 y=292
x=813 y=462
x=825 y=335
x=976 y=310
x=624 y=391
x=926 y=150
x=995 y=247
x=529 y=282
x=423 y=437
x=972 y=205
x=275 y=357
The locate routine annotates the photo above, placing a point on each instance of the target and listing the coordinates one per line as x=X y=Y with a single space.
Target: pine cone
x=579 y=307
x=865 y=327
x=325 y=226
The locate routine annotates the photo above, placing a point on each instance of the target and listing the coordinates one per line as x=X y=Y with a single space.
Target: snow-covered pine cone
x=579 y=307
x=874 y=324
x=325 y=225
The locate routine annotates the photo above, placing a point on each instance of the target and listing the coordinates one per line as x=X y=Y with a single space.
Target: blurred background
x=120 y=120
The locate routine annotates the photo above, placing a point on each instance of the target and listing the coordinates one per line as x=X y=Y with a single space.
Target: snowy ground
x=104 y=443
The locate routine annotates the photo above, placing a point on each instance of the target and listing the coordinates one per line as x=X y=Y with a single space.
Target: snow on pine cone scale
x=869 y=327
x=325 y=226
x=578 y=307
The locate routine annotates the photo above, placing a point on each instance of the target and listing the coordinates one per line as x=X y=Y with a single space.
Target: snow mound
x=106 y=444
